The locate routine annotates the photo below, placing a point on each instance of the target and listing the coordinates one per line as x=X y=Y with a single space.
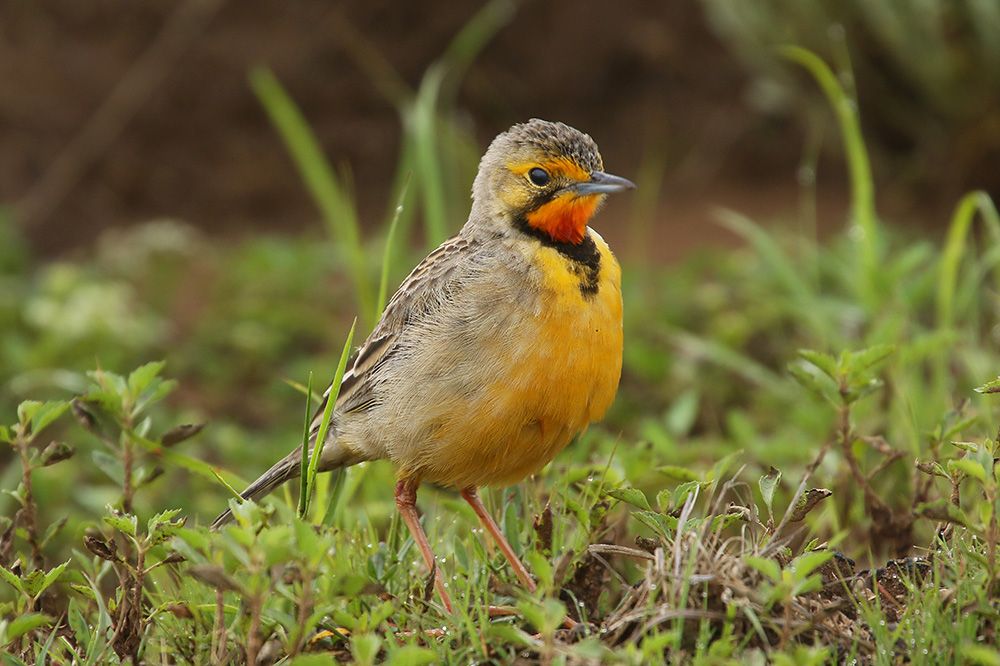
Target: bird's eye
x=539 y=177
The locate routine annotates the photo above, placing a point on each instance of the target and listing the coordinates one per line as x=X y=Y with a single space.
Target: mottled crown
x=534 y=141
x=554 y=140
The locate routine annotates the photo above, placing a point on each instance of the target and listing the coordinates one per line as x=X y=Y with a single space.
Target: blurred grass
x=713 y=372
x=927 y=73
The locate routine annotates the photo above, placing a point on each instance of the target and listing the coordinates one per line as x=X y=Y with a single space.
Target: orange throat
x=564 y=219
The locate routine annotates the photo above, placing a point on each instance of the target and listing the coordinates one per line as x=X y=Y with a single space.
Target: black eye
x=539 y=177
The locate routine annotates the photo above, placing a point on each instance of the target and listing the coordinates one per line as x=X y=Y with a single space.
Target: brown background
x=184 y=137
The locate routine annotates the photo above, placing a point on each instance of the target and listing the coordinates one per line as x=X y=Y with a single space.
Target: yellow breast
x=551 y=372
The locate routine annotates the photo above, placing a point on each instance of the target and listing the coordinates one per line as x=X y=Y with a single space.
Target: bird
x=502 y=345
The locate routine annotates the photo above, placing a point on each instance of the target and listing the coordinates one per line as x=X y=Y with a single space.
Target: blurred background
x=161 y=197
x=116 y=112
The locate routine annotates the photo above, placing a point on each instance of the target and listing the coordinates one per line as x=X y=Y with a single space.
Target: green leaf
x=381 y=613
x=540 y=565
x=53 y=574
x=26 y=411
x=123 y=522
x=34 y=583
x=989 y=387
x=769 y=568
x=83 y=590
x=721 y=466
x=508 y=634
x=11 y=579
x=110 y=465
x=411 y=655
x=160 y=527
x=723 y=521
x=768 y=485
x=665 y=526
x=321 y=659
x=679 y=473
x=824 y=362
x=26 y=622
x=958 y=427
x=682 y=413
x=364 y=648
x=106 y=400
x=10 y=660
x=664 y=500
x=77 y=623
x=966 y=446
x=983 y=655
x=683 y=491
x=46 y=414
x=512 y=525
x=805 y=564
x=942 y=510
x=867 y=359
x=108 y=382
x=190 y=463
x=969 y=467
x=821 y=385
x=631 y=496
x=141 y=377
x=157 y=390
x=860 y=388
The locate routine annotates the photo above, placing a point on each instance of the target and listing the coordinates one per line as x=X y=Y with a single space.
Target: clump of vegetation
x=849 y=368
x=927 y=74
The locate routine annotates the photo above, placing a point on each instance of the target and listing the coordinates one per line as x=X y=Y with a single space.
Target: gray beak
x=602 y=183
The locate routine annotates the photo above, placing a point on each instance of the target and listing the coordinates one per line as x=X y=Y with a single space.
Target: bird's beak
x=601 y=183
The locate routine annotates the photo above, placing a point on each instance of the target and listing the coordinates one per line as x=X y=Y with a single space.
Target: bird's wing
x=431 y=282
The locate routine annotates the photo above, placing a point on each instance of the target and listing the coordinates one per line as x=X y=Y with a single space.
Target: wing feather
x=435 y=277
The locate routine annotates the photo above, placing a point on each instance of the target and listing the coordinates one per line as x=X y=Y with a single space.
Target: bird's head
x=546 y=178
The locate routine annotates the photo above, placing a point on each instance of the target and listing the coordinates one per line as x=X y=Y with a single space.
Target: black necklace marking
x=585 y=256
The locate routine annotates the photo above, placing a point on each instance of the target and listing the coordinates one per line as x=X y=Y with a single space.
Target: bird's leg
x=472 y=497
x=406 y=502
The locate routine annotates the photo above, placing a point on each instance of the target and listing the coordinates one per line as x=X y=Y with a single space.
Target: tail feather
x=288 y=468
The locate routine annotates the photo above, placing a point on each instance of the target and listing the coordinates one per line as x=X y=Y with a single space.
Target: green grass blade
x=330 y=195
x=304 y=485
x=784 y=269
x=390 y=236
x=737 y=363
x=324 y=424
x=954 y=249
x=863 y=211
x=218 y=477
x=335 y=494
x=477 y=33
x=423 y=120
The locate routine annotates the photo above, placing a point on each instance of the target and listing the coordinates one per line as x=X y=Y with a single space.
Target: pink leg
x=406 y=502
x=472 y=497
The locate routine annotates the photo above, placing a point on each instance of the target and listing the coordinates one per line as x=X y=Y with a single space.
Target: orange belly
x=544 y=379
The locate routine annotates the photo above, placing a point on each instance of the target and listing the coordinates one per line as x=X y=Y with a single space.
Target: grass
x=752 y=497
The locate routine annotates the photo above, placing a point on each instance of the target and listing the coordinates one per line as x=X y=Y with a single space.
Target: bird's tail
x=332 y=457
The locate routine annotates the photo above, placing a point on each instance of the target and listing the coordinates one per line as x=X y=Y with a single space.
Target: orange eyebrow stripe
x=559 y=166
